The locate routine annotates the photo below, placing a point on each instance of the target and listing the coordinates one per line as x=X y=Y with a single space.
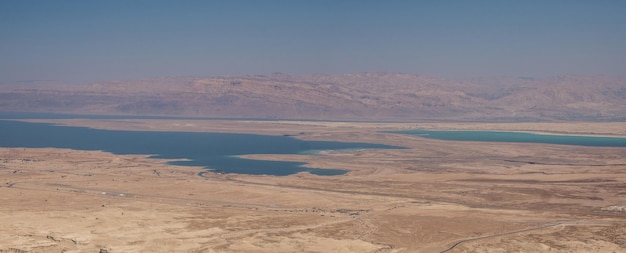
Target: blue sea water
x=216 y=151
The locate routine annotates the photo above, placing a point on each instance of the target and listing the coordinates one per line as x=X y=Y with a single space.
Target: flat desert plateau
x=435 y=196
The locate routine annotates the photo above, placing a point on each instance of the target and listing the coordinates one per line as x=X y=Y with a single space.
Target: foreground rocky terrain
x=436 y=196
x=361 y=96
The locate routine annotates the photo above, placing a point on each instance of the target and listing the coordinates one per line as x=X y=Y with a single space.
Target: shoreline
x=592 y=129
x=450 y=191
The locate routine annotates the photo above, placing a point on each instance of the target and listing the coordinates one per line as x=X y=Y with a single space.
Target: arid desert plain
x=434 y=196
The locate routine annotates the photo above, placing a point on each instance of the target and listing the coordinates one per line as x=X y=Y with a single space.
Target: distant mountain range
x=359 y=96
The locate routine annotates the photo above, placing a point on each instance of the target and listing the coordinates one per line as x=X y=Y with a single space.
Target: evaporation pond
x=496 y=136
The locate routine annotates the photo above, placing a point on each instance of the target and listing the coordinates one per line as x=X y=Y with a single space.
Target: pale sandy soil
x=294 y=127
x=437 y=196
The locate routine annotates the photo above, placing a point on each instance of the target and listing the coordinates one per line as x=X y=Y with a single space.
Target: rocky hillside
x=362 y=96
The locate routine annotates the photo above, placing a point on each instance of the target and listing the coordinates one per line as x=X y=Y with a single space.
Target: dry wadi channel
x=434 y=196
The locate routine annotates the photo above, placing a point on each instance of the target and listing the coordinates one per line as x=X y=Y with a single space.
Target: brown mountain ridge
x=359 y=96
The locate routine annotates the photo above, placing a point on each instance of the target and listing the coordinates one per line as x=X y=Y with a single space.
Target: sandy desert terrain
x=436 y=196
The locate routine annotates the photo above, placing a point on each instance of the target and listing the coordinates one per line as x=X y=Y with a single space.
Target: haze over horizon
x=87 y=41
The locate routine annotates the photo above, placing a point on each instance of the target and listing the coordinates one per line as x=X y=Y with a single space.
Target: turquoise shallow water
x=217 y=151
x=494 y=136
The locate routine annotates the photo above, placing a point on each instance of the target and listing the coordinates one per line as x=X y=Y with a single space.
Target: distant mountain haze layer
x=359 y=96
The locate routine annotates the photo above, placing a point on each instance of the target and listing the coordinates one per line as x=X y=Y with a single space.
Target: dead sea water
x=214 y=151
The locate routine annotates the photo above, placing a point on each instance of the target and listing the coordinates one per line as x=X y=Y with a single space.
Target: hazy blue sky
x=84 y=40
